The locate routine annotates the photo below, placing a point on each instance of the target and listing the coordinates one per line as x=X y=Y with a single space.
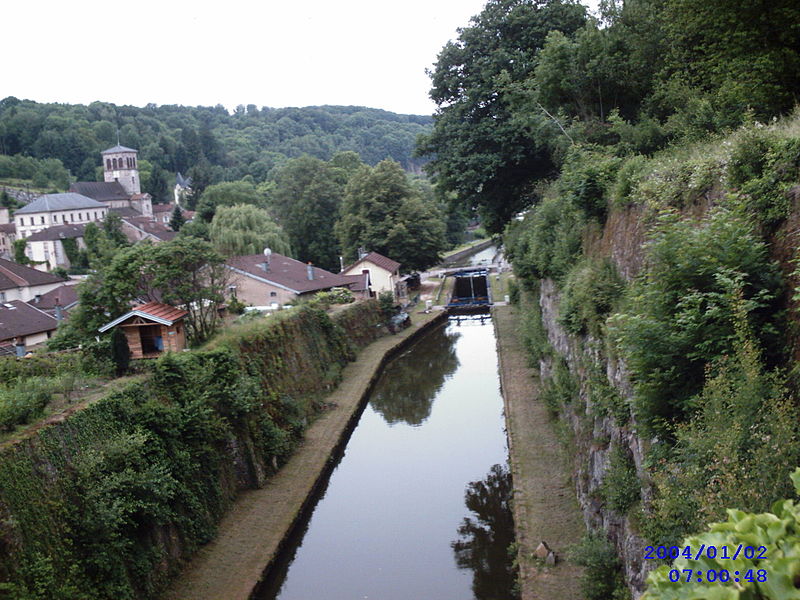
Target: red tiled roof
x=14 y=275
x=161 y=311
x=287 y=273
x=377 y=259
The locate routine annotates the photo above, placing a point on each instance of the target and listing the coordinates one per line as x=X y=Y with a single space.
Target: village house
x=57 y=209
x=18 y=282
x=274 y=279
x=57 y=302
x=151 y=329
x=8 y=233
x=23 y=326
x=383 y=272
x=46 y=250
x=137 y=229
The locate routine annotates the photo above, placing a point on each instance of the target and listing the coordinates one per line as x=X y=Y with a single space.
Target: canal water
x=418 y=506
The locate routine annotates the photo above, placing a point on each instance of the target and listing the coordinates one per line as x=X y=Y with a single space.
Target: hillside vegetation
x=644 y=168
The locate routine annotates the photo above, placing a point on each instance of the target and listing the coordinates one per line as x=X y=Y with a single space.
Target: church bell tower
x=121 y=164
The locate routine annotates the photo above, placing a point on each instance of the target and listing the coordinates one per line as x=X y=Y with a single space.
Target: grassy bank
x=545 y=508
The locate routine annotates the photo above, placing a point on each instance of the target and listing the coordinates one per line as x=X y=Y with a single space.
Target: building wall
x=27 y=293
x=381 y=280
x=49 y=254
x=28 y=224
x=173 y=338
x=258 y=293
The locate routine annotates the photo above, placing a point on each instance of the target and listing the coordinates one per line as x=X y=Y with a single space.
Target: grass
x=445 y=289
x=499 y=285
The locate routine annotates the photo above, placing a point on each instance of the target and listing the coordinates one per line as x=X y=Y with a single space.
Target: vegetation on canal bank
x=108 y=502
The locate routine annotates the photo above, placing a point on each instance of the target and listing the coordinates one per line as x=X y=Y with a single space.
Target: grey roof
x=54 y=202
x=182 y=181
x=19 y=319
x=118 y=148
x=57 y=232
x=102 y=191
x=13 y=275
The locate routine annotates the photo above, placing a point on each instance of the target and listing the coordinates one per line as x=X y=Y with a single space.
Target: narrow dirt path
x=545 y=507
x=250 y=536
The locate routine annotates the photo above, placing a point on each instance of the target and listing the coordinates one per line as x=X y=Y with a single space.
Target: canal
x=418 y=506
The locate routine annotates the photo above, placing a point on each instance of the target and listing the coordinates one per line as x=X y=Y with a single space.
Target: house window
x=114 y=160
x=108 y=164
x=72 y=217
x=42 y=218
x=273 y=294
x=2 y=296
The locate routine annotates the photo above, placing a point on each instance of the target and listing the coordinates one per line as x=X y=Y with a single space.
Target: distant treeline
x=226 y=147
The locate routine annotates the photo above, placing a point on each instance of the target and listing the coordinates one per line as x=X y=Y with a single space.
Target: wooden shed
x=151 y=329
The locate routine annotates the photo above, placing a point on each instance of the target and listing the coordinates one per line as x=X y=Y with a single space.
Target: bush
x=602 y=578
x=590 y=291
x=513 y=291
x=387 y=304
x=23 y=402
x=547 y=242
x=773 y=577
x=586 y=180
x=561 y=389
x=621 y=487
x=736 y=451
x=679 y=314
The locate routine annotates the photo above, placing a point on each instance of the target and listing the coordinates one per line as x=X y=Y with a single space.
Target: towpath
x=545 y=507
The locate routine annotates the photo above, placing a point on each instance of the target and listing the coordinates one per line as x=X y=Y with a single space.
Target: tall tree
x=246 y=229
x=158 y=187
x=478 y=150
x=306 y=199
x=176 y=221
x=382 y=212
x=228 y=193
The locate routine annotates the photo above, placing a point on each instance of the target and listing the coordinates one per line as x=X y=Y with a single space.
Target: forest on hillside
x=207 y=143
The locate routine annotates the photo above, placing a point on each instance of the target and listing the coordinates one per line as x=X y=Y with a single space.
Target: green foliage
x=513 y=291
x=586 y=179
x=206 y=143
x=23 y=402
x=229 y=193
x=383 y=213
x=777 y=531
x=45 y=172
x=19 y=252
x=679 y=316
x=590 y=291
x=736 y=451
x=620 y=487
x=602 y=577
x=246 y=229
x=560 y=389
x=333 y=296
x=176 y=220
x=763 y=166
x=479 y=151
x=547 y=242
x=306 y=201
x=387 y=304
x=105 y=504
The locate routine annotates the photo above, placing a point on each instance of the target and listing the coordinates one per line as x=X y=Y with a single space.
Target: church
x=121 y=188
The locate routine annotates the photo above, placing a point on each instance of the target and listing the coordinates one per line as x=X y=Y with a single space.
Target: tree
x=306 y=201
x=246 y=229
x=478 y=150
x=158 y=187
x=176 y=221
x=383 y=213
x=228 y=193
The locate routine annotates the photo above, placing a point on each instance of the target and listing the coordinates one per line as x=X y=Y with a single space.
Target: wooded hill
x=206 y=142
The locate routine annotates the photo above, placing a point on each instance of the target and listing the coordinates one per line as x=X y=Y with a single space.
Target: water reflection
x=486 y=536
x=409 y=395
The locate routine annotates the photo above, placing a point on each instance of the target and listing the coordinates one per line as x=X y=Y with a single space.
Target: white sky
x=268 y=53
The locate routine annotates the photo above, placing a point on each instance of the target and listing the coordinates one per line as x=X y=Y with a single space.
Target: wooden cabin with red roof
x=152 y=329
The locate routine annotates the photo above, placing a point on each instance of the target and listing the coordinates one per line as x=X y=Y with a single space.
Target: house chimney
x=59 y=314
x=310 y=271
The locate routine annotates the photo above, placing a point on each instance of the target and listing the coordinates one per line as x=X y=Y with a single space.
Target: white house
x=18 y=282
x=384 y=273
x=57 y=209
x=46 y=247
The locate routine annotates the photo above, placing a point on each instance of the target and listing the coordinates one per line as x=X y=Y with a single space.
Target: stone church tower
x=120 y=164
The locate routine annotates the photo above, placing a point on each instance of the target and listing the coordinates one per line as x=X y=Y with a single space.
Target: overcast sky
x=268 y=52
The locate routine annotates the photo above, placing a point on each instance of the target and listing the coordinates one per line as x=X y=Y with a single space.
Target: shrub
x=590 y=290
x=773 y=577
x=586 y=179
x=621 y=487
x=23 y=402
x=547 y=242
x=679 y=313
x=561 y=389
x=513 y=291
x=602 y=578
